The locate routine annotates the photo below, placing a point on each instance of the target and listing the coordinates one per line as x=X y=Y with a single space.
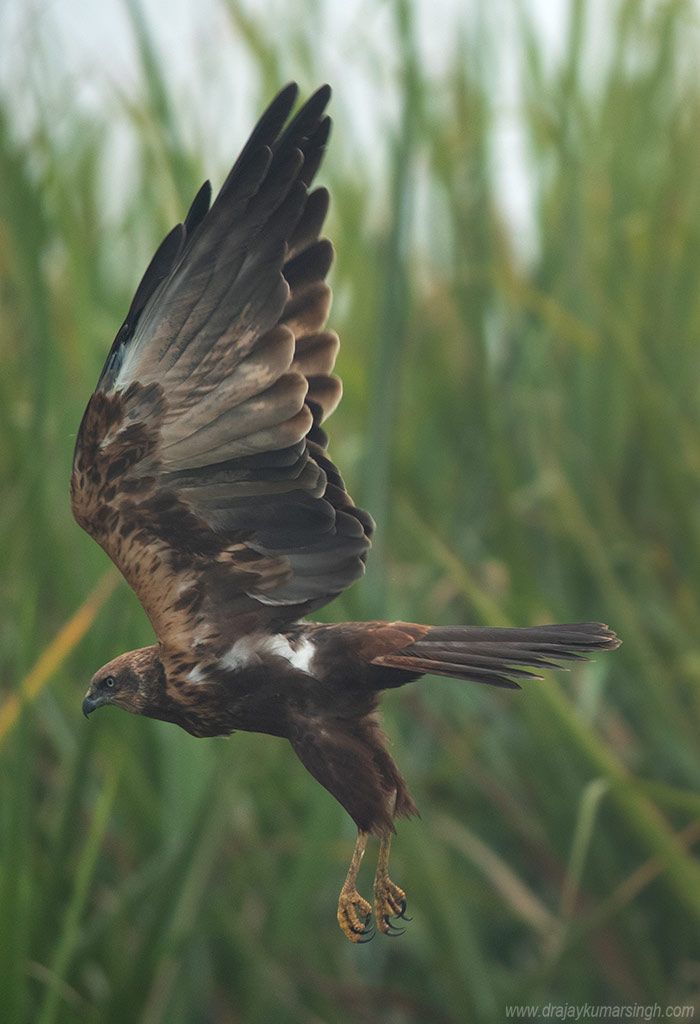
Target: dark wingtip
x=322 y=94
x=317 y=102
x=284 y=100
x=198 y=208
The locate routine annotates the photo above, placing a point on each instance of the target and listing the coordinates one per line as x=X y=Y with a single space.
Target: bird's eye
x=109 y=681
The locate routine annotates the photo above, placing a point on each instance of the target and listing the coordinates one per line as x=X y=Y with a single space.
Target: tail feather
x=497 y=656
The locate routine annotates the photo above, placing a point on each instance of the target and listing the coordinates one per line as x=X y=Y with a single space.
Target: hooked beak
x=90 y=703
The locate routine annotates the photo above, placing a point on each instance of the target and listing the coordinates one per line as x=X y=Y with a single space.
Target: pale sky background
x=214 y=85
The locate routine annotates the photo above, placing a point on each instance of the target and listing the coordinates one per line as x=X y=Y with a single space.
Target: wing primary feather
x=303 y=124
x=265 y=132
x=158 y=269
x=309 y=227
x=310 y=265
x=315 y=150
x=198 y=209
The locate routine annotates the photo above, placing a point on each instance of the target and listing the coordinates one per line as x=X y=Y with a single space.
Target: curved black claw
x=365 y=929
x=401 y=910
x=402 y=913
x=391 y=930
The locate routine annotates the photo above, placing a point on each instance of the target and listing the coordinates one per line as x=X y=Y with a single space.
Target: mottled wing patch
x=201 y=462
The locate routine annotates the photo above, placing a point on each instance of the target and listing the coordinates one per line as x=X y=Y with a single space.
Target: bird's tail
x=498 y=657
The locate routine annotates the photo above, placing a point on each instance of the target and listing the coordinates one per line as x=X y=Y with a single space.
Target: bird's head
x=132 y=681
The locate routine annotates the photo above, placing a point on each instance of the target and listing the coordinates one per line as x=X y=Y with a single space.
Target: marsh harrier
x=201 y=467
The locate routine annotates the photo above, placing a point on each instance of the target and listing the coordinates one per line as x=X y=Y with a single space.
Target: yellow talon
x=353 y=915
x=389 y=899
x=353 y=910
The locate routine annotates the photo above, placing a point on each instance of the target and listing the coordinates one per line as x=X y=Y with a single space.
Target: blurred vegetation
x=526 y=430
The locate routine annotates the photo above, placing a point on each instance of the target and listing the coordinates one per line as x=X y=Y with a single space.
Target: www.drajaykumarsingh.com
x=652 y=1012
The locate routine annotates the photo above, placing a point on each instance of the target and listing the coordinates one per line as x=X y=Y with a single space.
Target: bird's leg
x=389 y=899
x=354 y=911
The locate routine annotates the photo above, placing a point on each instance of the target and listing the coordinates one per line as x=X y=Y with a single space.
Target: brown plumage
x=201 y=469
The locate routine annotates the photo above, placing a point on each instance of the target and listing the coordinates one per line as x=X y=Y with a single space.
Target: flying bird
x=201 y=467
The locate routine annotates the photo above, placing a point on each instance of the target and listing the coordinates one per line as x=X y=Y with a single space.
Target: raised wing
x=201 y=465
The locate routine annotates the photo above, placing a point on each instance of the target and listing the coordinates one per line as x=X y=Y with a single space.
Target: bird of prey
x=201 y=467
